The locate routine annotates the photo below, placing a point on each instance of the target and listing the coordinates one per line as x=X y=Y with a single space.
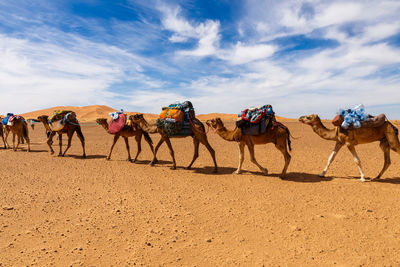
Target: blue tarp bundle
x=353 y=116
x=4 y=121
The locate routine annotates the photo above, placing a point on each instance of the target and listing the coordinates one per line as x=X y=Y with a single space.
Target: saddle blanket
x=254 y=115
x=116 y=125
x=59 y=115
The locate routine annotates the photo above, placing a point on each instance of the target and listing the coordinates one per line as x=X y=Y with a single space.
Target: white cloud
x=207 y=33
x=37 y=74
x=241 y=54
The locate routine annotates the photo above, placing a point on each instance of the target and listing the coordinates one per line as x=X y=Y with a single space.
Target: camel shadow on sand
x=87 y=156
x=393 y=180
x=303 y=177
x=147 y=162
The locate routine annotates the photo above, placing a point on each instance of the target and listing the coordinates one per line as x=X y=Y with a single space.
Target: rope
x=301 y=133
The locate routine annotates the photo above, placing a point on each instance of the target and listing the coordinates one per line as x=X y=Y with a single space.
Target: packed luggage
x=256 y=121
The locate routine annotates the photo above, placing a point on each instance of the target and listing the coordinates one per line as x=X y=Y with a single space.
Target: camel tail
x=396 y=131
x=147 y=137
x=79 y=132
x=288 y=139
x=25 y=130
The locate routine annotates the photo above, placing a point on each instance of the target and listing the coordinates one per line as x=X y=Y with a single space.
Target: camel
x=19 y=128
x=386 y=134
x=71 y=126
x=128 y=131
x=198 y=135
x=279 y=135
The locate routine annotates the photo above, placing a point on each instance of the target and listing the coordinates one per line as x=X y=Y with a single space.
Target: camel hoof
x=321 y=175
x=84 y=156
x=108 y=158
x=188 y=168
x=215 y=171
x=236 y=172
x=362 y=179
x=173 y=168
x=265 y=172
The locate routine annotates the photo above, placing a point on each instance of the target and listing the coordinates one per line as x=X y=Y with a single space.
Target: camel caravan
x=254 y=126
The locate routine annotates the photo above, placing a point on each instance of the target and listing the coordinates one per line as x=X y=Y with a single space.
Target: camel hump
x=374 y=121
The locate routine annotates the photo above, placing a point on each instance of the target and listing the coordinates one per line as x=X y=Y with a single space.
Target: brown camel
x=198 y=134
x=387 y=134
x=128 y=131
x=71 y=126
x=18 y=128
x=279 y=135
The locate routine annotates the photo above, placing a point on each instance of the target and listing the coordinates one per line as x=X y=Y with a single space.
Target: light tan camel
x=279 y=135
x=198 y=134
x=128 y=131
x=71 y=126
x=387 y=134
x=18 y=128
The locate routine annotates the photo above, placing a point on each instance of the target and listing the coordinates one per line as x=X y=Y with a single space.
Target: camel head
x=101 y=121
x=215 y=123
x=312 y=119
x=43 y=118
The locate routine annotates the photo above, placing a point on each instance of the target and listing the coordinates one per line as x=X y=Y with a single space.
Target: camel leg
x=7 y=132
x=2 y=137
x=155 y=151
x=60 y=144
x=50 y=142
x=28 y=142
x=82 y=139
x=69 y=142
x=127 y=148
x=241 y=158
x=171 y=152
x=384 y=145
x=196 y=144
x=250 y=146
x=116 y=137
x=18 y=140
x=286 y=155
x=152 y=149
x=358 y=162
x=205 y=142
x=338 y=146
x=138 y=138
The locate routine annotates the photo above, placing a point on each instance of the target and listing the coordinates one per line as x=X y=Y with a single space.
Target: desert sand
x=92 y=212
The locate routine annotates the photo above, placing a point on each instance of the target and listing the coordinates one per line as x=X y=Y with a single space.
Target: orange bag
x=171 y=115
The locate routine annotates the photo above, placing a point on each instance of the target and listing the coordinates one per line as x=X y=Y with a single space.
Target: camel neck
x=46 y=125
x=321 y=130
x=228 y=135
x=147 y=128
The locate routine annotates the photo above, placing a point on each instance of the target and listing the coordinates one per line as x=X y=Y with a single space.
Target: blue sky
x=300 y=56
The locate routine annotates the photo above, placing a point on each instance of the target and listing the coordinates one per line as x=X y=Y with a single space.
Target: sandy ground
x=93 y=212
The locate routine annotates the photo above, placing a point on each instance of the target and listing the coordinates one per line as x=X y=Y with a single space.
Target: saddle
x=371 y=122
x=116 y=125
x=256 y=121
x=57 y=121
x=176 y=119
